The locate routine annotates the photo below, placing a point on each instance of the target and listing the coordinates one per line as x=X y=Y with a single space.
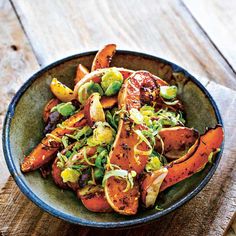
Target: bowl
x=23 y=128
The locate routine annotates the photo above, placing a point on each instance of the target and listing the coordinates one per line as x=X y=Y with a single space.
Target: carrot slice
x=103 y=57
x=177 y=141
x=126 y=203
x=47 y=148
x=80 y=73
x=177 y=171
x=56 y=175
x=108 y=102
x=123 y=153
x=94 y=199
x=123 y=150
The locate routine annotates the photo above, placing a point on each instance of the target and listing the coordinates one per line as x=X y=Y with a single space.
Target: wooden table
x=199 y=35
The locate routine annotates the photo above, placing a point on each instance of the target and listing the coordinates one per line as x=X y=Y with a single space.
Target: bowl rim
x=77 y=220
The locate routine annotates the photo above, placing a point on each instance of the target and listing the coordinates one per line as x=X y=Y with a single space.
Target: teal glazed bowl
x=23 y=130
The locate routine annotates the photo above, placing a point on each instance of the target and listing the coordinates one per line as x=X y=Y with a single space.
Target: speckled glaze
x=24 y=125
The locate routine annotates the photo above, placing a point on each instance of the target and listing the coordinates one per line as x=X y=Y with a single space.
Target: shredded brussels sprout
x=136 y=116
x=62 y=159
x=147 y=111
x=98 y=173
x=158 y=208
x=103 y=134
x=142 y=138
x=65 y=141
x=113 y=120
x=85 y=131
x=86 y=158
x=70 y=175
x=153 y=164
x=168 y=92
x=54 y=137
x=92 y=181
x=212 y=154
x=128 y=176
x=171 y=103
x=113 y=88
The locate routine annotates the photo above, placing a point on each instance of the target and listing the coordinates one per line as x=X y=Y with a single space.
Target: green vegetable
x=79 y=144
x=70 y=175
x=168 y=92
x=136 y=116
x=212 y=155
x=62 y=160
x=171 y=103
x=169 y=118
x=103 y=134
x=142 y=138
x=91 y=142
x=101 y=159
x=85 y=131
x=65 y=109
x=95 y=88
x=65 y=141
x=158 y=208
x=113 y=120
x=153 y=164
x=128 y=176
x=98 y=173
x=87 y=89
x=111 y=76
x=68 y=154
x=113 y=88
x=100 y=149
x=147 y=110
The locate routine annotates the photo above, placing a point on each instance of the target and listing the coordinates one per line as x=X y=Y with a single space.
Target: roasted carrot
x=56 y=175
x=177 y=171
x=103 y=57
x=124 y=150
x=80 y=73
x=123 y=153
x=177 y=141
x=47 y=148
x=123 y=202
x=93 y=198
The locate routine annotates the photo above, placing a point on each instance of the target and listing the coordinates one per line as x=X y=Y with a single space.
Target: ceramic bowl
x=24 y=125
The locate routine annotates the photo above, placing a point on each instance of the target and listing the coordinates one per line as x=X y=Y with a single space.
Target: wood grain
x=17 y=62
x=218 y=20
x=164 y=28
x=209 y=213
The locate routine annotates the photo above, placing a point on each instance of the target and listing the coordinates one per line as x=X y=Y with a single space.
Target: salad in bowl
x=119 y=138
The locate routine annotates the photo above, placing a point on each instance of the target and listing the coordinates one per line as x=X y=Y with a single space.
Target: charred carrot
x=177 y=171
x=103 y=57
x=80 y=73
x=48 y=147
